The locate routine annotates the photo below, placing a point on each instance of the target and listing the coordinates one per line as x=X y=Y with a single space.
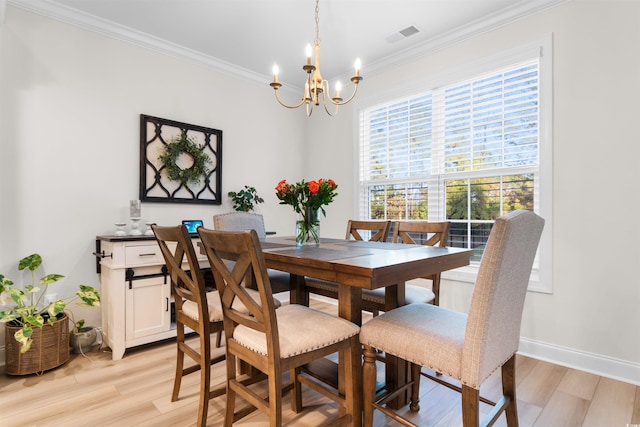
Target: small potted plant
x=244 y=200
x=37 y=333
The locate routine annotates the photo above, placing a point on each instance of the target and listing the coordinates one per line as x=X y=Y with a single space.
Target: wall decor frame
x=157 y=137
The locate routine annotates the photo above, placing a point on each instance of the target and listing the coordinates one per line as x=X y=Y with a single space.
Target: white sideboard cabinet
x=135 y=292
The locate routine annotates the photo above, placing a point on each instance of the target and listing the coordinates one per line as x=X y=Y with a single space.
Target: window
x=466 y=151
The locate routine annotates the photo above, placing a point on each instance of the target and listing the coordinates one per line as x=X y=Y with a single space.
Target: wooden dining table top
x=361 y=264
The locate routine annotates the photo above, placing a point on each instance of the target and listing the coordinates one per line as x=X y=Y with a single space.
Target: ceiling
x=249 y=36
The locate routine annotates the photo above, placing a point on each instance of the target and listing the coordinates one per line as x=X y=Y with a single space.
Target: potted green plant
x=35 y=329
x=244 y=200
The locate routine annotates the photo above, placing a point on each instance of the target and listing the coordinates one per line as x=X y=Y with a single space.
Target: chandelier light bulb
x=338 y=88
x=276 y=71
x=308 y=52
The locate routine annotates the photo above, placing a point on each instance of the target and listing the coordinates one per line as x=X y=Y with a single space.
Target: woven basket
x=49 y=349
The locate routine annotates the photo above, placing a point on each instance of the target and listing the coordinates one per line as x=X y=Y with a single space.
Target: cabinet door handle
x=151 y=254
x=166 y=304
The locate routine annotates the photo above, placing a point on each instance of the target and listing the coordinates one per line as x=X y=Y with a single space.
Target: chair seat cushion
x=423 y=334
x=214 y=304
x=413 y=294
x=301 y=329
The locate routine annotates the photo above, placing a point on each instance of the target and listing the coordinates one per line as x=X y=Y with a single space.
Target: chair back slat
x=185 y=286
x=437 y=233
x=378 y=229
x=493 y=326
x=236 y=257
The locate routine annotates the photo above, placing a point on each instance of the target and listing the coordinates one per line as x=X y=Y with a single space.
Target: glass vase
x=308 y=228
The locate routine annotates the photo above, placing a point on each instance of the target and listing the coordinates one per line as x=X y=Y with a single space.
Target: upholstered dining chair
x=196 y=309
x=373 y=301
x=275 y=341
x=467 y=348
x=239 y=221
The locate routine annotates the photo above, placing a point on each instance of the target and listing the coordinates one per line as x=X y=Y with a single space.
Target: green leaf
x=50 y=278
x=89 y=296
x=17 y=296
x=56 y=308
x=7 y=316
x=77 y=326
x=30 y=289
x=4 y=283
x=23 y=336
x=31 y=262
x=33 y=320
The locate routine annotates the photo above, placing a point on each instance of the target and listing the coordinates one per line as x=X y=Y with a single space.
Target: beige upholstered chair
x=192 y=304
x=240 y=221
x=467 y=348
x=273 y=341
x=372 y=300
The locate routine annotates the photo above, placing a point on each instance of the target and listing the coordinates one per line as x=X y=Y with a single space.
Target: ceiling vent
x=402 y=34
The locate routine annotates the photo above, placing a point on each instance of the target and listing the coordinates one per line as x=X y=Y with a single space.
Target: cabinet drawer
x=143 y=255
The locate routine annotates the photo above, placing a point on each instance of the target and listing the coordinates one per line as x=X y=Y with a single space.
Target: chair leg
x=353 y=380
x=179 y=365
x=231 y=394
x=470 y=406
x=509 y=391
x=296 y=393
x=368 y=384
x=414 y=404
x=205 y=379
x=275 y=397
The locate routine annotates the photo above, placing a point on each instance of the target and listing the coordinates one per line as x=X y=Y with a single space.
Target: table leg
x=349 y=307
x=298 y=292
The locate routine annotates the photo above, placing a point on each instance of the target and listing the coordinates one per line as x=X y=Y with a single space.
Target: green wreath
x=174 y=149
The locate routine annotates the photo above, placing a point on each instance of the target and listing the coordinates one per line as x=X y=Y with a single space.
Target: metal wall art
x=179 y=162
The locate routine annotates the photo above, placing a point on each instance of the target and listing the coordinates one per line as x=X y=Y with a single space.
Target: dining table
x=356 y=265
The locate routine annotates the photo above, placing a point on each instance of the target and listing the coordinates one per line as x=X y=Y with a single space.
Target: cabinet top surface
x=125 y=238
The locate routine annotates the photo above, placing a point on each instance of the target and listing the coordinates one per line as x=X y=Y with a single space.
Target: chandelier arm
x=355 y=90
x=285 y=105
x=326 y=109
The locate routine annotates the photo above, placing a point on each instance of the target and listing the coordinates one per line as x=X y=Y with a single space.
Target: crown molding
x=110 y=29
x=520 y=10
x=119 y=32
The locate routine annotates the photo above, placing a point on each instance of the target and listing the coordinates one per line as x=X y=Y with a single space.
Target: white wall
x=70 y=102
x=591 y=320
x=69 y=106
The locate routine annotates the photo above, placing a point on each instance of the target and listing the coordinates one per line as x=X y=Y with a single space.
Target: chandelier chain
x=317 y=40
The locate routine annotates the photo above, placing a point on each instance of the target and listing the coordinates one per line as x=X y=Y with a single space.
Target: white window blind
x=465 y=151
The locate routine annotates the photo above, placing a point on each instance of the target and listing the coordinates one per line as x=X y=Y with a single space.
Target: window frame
x=541 y=277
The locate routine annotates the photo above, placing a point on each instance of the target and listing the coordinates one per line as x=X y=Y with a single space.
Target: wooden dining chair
x=373 y=301
x=275 y=341
x=196 y=309
x=239 y=221
x=467 y=348
x=425 y=233
x=377 y=230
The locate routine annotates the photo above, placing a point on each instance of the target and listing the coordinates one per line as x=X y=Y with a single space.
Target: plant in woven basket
x=26 y=309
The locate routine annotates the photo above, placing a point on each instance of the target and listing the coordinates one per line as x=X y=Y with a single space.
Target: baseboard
x=597 y=364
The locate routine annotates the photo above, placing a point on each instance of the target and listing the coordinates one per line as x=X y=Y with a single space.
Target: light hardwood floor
x=135 y=391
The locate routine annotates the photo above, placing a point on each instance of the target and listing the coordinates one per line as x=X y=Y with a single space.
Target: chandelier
x=316 y=89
